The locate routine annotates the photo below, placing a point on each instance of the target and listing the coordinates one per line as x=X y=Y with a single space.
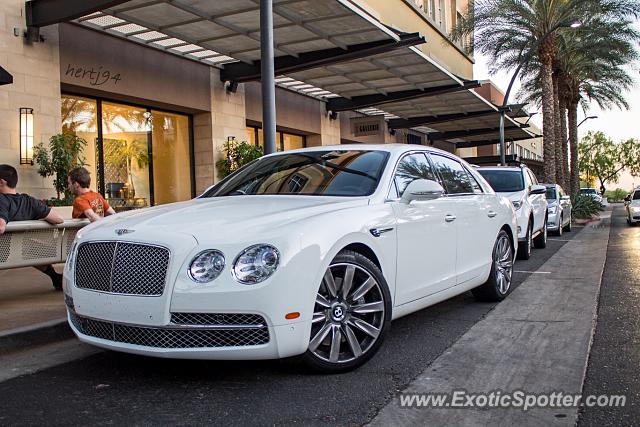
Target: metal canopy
x=5 y=77
x=241 y=72
x=332 y=50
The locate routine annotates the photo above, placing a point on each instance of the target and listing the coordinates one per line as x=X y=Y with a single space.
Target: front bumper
x=553 y=221
x=144 y=324
x=522 y=217
x=633 y=216
x=193 y=342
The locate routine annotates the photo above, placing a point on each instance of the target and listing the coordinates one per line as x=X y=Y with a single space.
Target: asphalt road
x=113 y=388
x=615 y=353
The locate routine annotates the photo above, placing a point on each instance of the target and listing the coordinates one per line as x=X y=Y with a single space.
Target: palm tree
x=527 y=34
x=589 y=67
x=593 y=65
x=513 y=32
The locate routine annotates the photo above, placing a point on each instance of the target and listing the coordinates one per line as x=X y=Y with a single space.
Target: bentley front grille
x=122 y=268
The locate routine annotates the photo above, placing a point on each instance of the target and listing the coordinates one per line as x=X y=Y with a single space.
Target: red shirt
x=89 y=200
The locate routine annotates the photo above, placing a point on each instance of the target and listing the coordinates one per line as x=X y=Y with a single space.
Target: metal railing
x=31 y=243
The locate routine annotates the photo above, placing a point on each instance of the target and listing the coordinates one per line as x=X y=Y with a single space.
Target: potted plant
x=236 y=154
x=64 y=154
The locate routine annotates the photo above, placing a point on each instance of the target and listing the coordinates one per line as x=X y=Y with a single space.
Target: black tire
x=567 y=227
x=560 y=227
x=540 y=242
x=493 y=289
x=379 y=293
x=524 y=248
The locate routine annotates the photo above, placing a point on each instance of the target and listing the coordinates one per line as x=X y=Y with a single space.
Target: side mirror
x=628 y=198
x=422 y=189
x=538 y=189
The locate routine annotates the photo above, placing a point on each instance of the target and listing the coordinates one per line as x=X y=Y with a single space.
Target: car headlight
x=635 y=208
x=517 y=204
x=255 y=264
x=553 y=209
x=71 y=257
x=206 y=266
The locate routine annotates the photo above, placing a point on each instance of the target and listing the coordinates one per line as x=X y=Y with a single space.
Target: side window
x=411 y=167
x=474 y=183
x=455 y=178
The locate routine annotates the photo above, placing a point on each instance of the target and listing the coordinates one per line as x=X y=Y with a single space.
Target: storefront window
x=79 y=116
x=138 y=157
x=171 y=157
x=125 y=155
x=284 y=141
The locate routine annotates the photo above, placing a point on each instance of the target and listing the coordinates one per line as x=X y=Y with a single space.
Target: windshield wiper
x=338 y=167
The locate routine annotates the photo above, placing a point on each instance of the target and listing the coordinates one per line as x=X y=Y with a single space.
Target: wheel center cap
x=338 y=312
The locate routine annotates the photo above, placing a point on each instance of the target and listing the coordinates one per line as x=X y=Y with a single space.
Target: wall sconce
x=26 y=136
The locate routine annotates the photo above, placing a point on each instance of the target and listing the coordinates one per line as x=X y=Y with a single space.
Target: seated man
x=22 y=207
x=87 y=204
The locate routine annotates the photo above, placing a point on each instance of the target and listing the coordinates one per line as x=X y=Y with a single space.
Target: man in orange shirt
x=87 y=204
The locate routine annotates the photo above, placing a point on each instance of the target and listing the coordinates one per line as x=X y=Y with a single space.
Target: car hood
x=224 y=216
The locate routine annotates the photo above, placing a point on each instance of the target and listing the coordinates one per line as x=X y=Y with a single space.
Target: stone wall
x=36 y=84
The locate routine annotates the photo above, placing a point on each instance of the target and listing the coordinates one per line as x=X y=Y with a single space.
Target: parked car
x=633 y=207
x=559 y=211
x=592 y=192
x=520 y=185
x=310 y=252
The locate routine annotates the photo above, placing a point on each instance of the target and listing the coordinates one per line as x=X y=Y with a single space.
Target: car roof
x=390 y=148
x=498 y=168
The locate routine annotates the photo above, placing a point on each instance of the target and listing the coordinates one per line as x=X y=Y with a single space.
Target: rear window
x=503 y=181
x=588 y=191
x=551 y=193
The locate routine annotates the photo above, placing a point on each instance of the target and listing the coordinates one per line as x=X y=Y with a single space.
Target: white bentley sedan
x=310 y=252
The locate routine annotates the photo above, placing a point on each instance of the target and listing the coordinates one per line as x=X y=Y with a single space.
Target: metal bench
x=32 y=243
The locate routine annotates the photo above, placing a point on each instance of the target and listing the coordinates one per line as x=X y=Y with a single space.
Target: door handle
x=491 y=214
x=450 y=218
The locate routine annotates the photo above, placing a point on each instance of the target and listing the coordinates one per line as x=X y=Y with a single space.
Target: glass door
x=124 y=155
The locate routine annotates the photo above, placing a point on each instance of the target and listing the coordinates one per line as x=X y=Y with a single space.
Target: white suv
x=520 y=185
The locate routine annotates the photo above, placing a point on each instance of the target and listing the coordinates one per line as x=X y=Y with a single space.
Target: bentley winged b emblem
x=121 y=231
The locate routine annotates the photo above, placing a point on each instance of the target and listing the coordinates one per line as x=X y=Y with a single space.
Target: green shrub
x=236 y=155
x=616 y=195
x=64 y=153
x=584 y=206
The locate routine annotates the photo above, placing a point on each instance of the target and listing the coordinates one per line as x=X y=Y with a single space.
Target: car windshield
x=636 y=195
x=551 y=193
x=310 y=173
x=503 y=181
x=588 y=191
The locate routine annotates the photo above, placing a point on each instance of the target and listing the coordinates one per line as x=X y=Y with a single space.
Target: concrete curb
x=28 y=336
x=536 y=341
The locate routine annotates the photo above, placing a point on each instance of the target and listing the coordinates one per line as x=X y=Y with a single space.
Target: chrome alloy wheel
x=503 y=261
x=349 y=314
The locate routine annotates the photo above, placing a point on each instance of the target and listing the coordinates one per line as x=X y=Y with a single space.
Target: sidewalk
x=27 y=298
x=537 y=341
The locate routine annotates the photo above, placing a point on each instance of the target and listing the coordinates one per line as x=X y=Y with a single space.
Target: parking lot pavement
x=114 y=388
x=615 y=355
x=536 y=341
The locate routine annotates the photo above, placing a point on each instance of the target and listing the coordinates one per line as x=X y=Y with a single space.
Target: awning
x=329 y=49
x=5 y=77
